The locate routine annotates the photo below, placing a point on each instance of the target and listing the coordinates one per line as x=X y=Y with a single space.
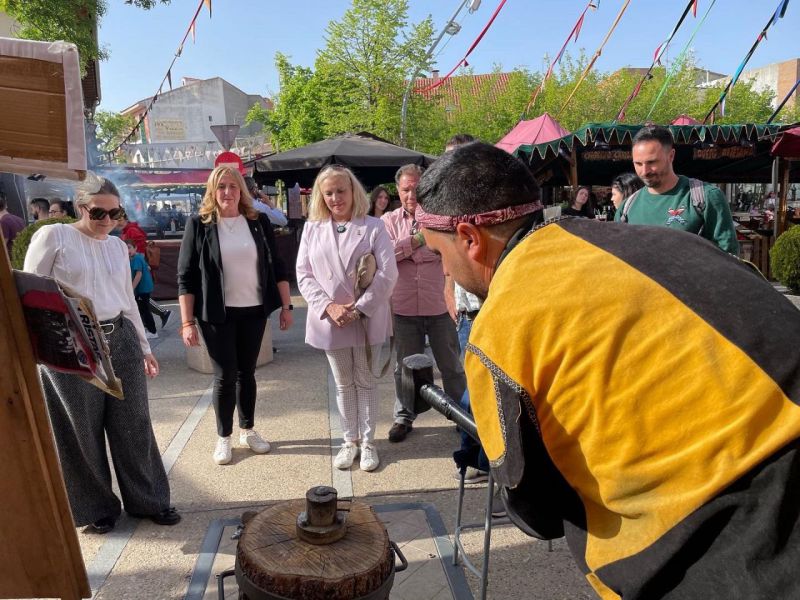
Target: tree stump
x=274 y=559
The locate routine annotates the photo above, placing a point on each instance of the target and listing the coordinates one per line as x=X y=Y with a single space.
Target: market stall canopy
x=715 y=153
x=540 y=130
x=182 y=181
x=373 y=160
x=788 y=144
x=685 y=120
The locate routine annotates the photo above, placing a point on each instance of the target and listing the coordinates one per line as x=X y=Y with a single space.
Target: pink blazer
x=325 y=274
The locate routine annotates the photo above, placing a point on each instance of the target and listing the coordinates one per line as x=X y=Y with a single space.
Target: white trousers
x=356 y=394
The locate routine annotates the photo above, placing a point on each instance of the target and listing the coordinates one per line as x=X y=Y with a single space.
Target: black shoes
x=165 y=318
x=168 y=516
x=103 y=525
x=398 y=432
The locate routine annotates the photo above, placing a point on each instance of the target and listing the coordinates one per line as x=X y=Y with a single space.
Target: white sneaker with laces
x=347 y=454
x=369 y=457
x=250 y=438
x=222 y=453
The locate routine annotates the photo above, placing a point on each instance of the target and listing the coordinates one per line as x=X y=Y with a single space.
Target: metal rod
x=458 y=517
x=487 y=535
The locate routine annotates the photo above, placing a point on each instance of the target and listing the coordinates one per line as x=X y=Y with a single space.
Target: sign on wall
x=169 y=130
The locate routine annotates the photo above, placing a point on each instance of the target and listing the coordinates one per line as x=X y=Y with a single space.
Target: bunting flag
x=694 y=9
x=778 y=14
x=463 y=61
x=662 y=48
x=679 y=60
x=168 y=77
x=576 y=29
x=597 y=54
x=193 y=29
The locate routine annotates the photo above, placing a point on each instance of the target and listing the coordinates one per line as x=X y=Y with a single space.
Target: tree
x=68 y=20
x=112 y=128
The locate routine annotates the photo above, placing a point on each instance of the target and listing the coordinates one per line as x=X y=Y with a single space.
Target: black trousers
x=233 y=347
x=143 y=303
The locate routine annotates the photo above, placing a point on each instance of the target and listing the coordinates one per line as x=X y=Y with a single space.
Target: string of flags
x=463 y=61
x=573 y=35
x=191 y=30
x=660 y=51
x=679 y=60
x=776 y=16
x=597 y=54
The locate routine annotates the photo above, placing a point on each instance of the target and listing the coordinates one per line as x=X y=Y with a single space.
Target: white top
x=464 y=300
x=100 y=270
x=275 y=216
x=239 y=262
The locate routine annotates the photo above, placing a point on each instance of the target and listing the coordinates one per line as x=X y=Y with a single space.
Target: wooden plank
x=39 y=551
x=31 y=74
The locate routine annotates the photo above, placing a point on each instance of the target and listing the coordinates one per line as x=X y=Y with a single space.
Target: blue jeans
x=467 y=442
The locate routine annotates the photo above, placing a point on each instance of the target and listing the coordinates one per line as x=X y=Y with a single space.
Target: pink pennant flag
x=578 y=27
x=694 y=8
x=208 y=4
x=656 y=58
x=193 y=29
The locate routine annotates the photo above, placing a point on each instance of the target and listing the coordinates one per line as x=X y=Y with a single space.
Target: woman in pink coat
x=337 y=234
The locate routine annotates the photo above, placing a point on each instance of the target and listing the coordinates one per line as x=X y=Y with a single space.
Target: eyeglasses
x=55 y=212
x=98 y=214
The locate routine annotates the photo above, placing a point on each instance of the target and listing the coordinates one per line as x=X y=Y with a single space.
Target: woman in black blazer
x=230 y=278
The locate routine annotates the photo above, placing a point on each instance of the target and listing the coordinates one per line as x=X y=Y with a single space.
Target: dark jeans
x=467 y=442
x=233 y=347
x=143 y=302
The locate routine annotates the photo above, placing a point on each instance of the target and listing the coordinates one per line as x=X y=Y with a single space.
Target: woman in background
x=83 y=256
x=337 y=234
x=581 y=205
x=229 y=235
x=379 y=201
x=61 y=208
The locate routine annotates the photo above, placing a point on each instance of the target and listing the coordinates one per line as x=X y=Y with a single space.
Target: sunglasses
x=98 y=214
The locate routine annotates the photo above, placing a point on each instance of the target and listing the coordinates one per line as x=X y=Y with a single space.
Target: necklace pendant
x=341 y=228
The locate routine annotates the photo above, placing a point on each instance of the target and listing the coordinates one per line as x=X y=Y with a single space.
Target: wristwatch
x=290 y=307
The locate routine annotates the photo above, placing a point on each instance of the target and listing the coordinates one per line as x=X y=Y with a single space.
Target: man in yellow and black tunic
x=633 y=387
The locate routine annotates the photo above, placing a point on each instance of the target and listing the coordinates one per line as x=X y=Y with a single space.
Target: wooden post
x=39 y=552
x=573 y=167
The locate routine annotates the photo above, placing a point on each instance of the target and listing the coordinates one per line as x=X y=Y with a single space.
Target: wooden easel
x=39 y=552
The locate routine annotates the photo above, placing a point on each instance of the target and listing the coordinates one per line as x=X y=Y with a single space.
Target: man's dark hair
x=654 y=133
x=250 y=183
x=475 y=178
x=459 y=139
x=43 y=204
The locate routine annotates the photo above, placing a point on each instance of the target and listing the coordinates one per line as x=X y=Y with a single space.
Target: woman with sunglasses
x=83 y=256
x=228 y=236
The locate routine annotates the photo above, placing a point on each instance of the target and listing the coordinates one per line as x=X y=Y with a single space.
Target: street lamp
x=451 y=28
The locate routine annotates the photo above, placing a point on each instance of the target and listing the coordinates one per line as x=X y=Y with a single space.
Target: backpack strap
x=698 y=197
x=626 y=206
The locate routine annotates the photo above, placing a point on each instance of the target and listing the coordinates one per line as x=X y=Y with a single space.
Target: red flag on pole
x=694 y=8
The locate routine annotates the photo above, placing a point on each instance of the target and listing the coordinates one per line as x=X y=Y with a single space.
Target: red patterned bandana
x=493 y=217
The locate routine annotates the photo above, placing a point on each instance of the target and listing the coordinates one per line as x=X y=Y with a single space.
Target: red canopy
x=685 y=120
x=540 y=130
x=788 y=145
x=175 y=178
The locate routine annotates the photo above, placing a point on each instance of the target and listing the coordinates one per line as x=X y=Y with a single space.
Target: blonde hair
x=95 y=186
x=318 y=210
x=209 y=211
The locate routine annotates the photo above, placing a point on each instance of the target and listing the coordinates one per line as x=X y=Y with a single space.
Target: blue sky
x=240 y=41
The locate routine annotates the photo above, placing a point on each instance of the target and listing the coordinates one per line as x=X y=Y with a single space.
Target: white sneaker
x=369 y=457
x=250 y=437
x=222 y=453
x=347 y=454
x=150 y=336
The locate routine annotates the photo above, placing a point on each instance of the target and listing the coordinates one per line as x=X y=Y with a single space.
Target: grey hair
x=406 y=170
x=97 y=186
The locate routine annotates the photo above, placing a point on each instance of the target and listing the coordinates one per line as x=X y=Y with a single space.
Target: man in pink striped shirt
x=418 y=302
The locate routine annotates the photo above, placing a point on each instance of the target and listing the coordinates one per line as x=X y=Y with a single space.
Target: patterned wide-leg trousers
x=356 y=392
x=82 y=416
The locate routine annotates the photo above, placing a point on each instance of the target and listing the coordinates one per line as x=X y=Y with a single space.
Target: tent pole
x=780 y=206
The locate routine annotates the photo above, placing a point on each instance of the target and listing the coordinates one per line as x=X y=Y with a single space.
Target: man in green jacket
x=672 y=200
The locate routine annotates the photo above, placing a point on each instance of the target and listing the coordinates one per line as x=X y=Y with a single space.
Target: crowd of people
x=653 y=425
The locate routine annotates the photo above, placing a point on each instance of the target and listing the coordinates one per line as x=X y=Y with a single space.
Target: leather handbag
x=366 y=267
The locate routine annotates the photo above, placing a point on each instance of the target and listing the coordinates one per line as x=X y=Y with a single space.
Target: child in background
x=142 y=288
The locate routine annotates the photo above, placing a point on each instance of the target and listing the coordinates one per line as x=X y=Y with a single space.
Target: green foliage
x=112 y=128
x=20 y=245
x=784 y=259
x=66 y=20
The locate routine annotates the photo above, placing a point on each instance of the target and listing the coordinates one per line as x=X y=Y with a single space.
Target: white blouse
x=239 y=262
x=97 y=269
